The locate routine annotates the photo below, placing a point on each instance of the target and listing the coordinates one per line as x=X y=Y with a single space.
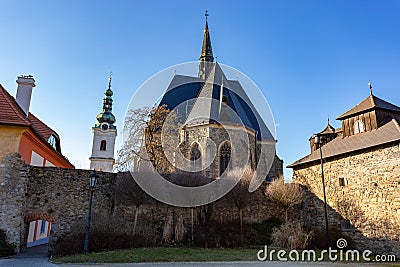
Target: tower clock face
x=104 y=127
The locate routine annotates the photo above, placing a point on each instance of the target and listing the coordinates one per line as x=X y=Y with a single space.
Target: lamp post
x=318 y=140
x=92 y=184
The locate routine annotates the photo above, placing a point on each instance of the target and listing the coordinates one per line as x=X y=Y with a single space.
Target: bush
x=261 y=233
x=6 y=249
x=319 y=239
x=291 y=235
x=215 y=234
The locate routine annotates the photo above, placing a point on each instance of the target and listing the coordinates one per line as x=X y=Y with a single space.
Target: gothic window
x=103 y=145
x=341 y=182
x=224 y=157
x=358 y=127
x=195 y=155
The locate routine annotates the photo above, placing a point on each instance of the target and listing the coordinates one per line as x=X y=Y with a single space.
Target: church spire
x=206 y=56
x=206 y=49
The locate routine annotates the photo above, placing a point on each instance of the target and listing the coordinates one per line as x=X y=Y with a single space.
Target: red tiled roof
x=390 y=132
x=11 y=113
x=40 y=127
x=369 y=103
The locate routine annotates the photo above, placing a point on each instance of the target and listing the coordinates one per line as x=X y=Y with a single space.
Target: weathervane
x=206 y=15
x=370 y=87
x=109 y=83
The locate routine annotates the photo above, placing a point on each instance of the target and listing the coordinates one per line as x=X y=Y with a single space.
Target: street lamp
x=318 y=139
x=92 y=184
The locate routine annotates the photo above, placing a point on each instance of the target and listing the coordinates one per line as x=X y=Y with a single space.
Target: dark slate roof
x=185 y=90
x=390 y=132
x=369 y=103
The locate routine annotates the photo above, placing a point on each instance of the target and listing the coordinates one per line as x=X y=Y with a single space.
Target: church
x=216 y=113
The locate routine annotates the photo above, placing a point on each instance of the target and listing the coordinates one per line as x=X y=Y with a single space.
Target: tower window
x=358 y=127
x=103 y=145
x=341 y=182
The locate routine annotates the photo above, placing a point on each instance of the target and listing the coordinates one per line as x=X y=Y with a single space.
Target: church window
x=103 y=145
x=341 y=182
x=195 y=156
x=224 y=157
x=358 y=127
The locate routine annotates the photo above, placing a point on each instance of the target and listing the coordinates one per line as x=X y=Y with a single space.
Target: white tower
x=104 y=134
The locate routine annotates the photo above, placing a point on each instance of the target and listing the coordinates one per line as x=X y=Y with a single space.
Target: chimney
x=24 y=92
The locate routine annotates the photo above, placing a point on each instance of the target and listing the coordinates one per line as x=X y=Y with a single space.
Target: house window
x=358 y=127
x=103 y=145
x=341 y=182
x=224 y=157
x=54 y=141
x=42 y=227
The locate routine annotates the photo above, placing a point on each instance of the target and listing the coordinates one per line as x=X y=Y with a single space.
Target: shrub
x=215 y=234
x=261 y=233
x=319 y=239
x=291 y=235
x=6 y=249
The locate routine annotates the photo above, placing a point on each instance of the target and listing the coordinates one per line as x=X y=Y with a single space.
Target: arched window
x=195 y=155
x=224 y=157
x=103 y=145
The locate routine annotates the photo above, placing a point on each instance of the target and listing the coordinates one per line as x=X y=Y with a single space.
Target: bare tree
x=286 y=195
x=147 y=135
x=240 y=192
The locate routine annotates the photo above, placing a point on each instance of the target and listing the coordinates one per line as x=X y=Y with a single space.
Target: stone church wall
x=367 y=207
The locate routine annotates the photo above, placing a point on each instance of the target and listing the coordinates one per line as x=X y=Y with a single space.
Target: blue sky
x=312 y=59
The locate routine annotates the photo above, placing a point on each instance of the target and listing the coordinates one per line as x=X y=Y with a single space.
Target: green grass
x=163 y=254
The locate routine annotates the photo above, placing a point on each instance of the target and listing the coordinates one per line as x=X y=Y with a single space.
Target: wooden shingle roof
x=369 y=103
x=389 y=132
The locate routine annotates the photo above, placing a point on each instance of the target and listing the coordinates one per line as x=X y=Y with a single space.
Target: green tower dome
x=106 y=114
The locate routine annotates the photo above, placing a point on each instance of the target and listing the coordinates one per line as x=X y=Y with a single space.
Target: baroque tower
x=104 y=134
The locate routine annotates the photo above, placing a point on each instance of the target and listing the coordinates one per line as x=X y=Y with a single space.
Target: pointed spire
x=206 y=49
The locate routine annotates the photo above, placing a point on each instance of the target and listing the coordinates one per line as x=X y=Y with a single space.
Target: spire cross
x=206 y=15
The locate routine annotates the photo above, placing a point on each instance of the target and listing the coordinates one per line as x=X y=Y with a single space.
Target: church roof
x=389 y=132
x=197 y=101
x=371 y=102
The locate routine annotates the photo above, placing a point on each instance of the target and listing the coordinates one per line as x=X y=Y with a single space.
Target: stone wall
x=366 y=206
x=13 y=187
x=28 y=191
